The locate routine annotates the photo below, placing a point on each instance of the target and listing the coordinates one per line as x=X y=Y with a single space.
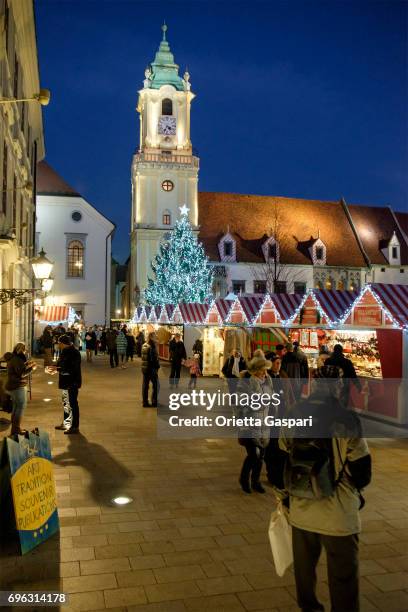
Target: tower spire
x=164 y=30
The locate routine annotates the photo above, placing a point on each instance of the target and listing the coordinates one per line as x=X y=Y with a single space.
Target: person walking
x=323 y=478
x=111 y=335
x=98 y=333
x=232 y=368
x=338 y=359
x=19 y=368
x=177 y=355
x=90 y=343
x=47 y=343
x=121 y=347
x=150 y=369
x=70 y=381
x=255 y=438
x=131 y=345
x=302 y=359
x=103 y=340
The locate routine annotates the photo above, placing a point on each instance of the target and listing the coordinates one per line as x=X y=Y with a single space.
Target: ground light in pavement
x=46 y=399
x=121 y=500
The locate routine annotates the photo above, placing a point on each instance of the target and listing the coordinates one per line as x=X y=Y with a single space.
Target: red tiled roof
x=375 y=226
x=50 y=182
x=250 y=217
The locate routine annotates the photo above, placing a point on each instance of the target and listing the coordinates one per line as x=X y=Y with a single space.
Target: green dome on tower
x=163 y=71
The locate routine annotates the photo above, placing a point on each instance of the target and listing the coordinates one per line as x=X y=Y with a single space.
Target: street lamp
x=42 y=268
x=43 y=97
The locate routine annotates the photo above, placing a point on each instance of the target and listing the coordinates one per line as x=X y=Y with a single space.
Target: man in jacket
x=112 y=350
x=232 y=368
x=47 y=343
x=150 y=369
x=330 y=521
x=291 y=365
x=70 y=380
x=177 y=354
x=349 y=374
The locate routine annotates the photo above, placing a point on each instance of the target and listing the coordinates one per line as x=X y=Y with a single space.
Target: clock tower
x=164 y=169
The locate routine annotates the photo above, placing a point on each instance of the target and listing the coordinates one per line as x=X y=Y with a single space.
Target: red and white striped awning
x=223 y=306
x=148 y=310
x=54 y=314
x=335 y=303
x=394 y=298
x=251 y=305
x=194 y=312
x=286 y=304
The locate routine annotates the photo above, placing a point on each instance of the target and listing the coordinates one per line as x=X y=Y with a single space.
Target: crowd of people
x=319 y=479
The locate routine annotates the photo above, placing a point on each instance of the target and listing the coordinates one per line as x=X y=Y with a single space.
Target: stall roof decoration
x=54 y=314
x=394 y=300
x=287 y=304
x=194 y=313
x=334 y=303
x=251 y=305
x=221 y=307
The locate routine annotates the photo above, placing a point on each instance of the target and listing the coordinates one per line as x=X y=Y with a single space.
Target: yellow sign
x=34 y=494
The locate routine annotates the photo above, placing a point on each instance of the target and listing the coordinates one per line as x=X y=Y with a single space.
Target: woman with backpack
x=254 y=439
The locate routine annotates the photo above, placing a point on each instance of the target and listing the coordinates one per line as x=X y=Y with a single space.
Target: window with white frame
x=270 y=249
x=227 y=248
x=75 y=259
x=318 y=253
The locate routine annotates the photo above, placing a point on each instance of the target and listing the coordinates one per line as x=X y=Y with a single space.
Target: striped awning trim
x=395 y=300
x=54 y=314
x=223 y=307
x=286 y=304
x=251 y=305
x=335 y=303
x=148 y=310
x=279 y=334
x=194 y=312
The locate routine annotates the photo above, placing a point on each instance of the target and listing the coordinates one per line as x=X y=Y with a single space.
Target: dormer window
x=227 y=248
x=167 y=107
x=318 y=252
x=270 y=249
x=392 y=252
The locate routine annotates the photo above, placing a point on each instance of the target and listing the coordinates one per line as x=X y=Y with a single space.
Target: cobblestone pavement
x=191 y=541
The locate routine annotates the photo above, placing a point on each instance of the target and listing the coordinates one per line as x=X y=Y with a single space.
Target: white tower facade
x=164 y=169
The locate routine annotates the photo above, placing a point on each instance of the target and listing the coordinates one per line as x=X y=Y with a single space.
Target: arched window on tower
x=75 y=259
x=167 y=106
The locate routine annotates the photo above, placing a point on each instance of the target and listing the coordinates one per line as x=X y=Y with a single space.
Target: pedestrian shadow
x=109 y=478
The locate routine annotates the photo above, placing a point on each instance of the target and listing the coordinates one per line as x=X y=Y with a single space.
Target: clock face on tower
x=167 y=125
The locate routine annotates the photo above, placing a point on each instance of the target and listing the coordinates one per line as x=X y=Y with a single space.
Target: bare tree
x=274 y=271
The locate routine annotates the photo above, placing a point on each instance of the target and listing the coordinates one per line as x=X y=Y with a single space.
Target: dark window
x=4 y=190
x=319 y=253
x=167 y=107
x=76 y=216
x=300 y=288
x=259 y=286
x=228 y=248
x=401 y=270
x=272 y=250
x=166 y=218
x=75 y=259
x=394 y=252
x=238 y=287
x=280 y=286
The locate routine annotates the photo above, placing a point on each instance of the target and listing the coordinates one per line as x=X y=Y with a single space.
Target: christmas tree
x=181 y=269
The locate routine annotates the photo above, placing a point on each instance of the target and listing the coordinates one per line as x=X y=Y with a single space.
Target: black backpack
x=309 y=470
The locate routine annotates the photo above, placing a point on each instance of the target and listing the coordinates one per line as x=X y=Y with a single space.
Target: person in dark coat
x=112 y=350
x=150 y=370
x=291 y=365
x=349 y=373
x=18 y=370
x=70 y=381
x=233 y=366
x=177 y=355
x=90 y=343
x=198 y=347
x=140 y=340
x=301 y=357
x=47 y=343
x=131 y=345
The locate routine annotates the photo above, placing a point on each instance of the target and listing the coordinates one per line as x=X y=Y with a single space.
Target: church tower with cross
x=164 y=172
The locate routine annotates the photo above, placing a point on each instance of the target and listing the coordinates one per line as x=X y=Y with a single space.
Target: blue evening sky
x=303 y=99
